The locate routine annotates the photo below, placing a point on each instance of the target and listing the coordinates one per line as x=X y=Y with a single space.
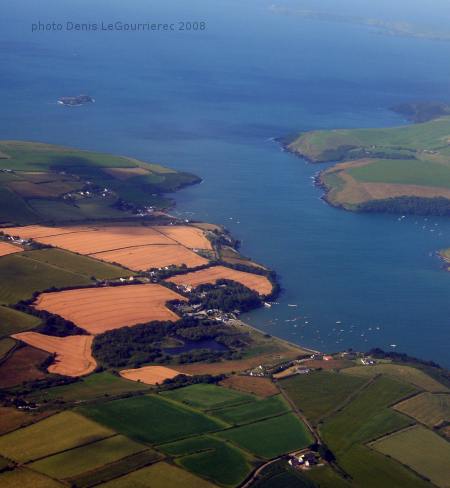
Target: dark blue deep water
x=210 y=102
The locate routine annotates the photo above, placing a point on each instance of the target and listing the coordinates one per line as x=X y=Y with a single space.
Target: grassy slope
x=83 y=166
x=427 y=408
x=160 y=475
x=20 y=277
x=420 y=449
x=318 y=393
x=93 y=386
x=250 y=412
x=407 y=155
x=406 y=374
x=272 y=437
x=207 y=397
x=54 y=434
x=130 y=417
x=75 y=263
x=85 y=458
x=12 y=321
x=211 y=458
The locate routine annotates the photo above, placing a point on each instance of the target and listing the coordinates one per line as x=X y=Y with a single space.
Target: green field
x=74 y=462
x=406 y=374
x=6 y=345
x=280 y=475
x=403 y=171
x=369 y=469
x=272 y=437
x=24 y=478
x=422 y=450
x=431 y=409
x=51 y=435
x=14 y=209
x=211 y=458
x=160 y=475
x=89 y=388
x=208 y=397
x=337 y=144
x=12 y=321
x=20 y=277
x=368 y=416
x=82 y=265
x=318 y=393
x=151 y=419
x=326 y=477
x=115 y=470
x=250 y=412
x=61 y=211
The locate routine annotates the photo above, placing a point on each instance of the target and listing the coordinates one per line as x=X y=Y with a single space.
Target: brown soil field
x=28 y=189
x=191 y=237
x=259 y=283
x=12 y=419
x=22 y=365
x=142 y=258
x=6 y=248
x=73 y=353
x=125 y=173
x=262 y=387
x=100 y=309
x=150 y=375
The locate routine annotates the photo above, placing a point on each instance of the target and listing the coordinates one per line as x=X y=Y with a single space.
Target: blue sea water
x=212 y=101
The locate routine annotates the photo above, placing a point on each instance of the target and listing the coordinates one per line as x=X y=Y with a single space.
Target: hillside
x=400 y=170
x=47 y=183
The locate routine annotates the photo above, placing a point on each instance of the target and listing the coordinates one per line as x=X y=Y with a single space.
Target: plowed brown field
x=259 y=283
x=150 y=375
x=142 y=258
x=6 y=248
x=100 y=309
x=73 y=353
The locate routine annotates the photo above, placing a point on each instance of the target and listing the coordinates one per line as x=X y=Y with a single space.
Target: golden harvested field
x=142 y=258
x=106 y=239
x=73 y=353
x=6 y=248
x=37 y=231
x=136 y=247
x=150 y=375
x=262 y=387
x=100 y=309
x=191 y=237
x=258 y=283
x=431 y=409
x=52 y=189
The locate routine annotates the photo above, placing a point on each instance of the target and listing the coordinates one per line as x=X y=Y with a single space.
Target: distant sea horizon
x=214 y=102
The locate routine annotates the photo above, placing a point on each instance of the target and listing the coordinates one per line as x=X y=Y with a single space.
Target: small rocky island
x=75 y=101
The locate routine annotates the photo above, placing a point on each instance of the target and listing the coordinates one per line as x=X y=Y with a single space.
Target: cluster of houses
x=304 y=460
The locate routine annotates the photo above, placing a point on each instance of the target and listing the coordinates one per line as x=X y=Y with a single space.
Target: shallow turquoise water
x=211 y=102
